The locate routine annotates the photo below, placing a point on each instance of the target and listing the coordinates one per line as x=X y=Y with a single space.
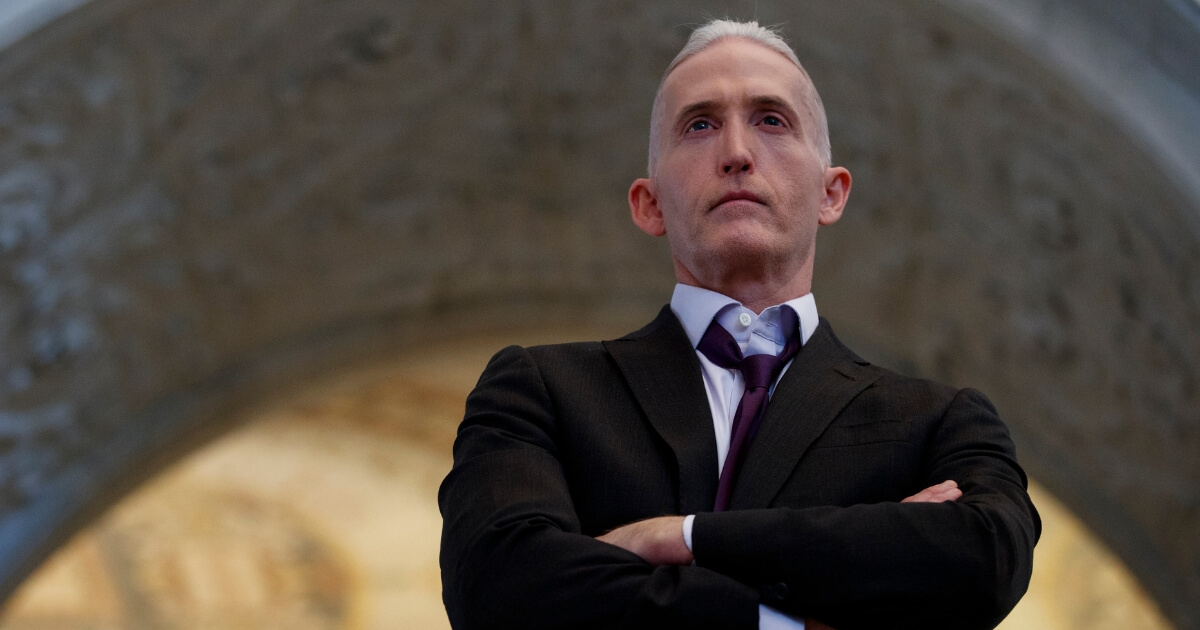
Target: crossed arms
x=659 y=540
x=516 y=553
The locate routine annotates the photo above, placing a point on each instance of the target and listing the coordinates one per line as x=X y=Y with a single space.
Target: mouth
x=738 y=195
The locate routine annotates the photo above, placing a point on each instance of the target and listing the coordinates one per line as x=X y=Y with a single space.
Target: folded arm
x=659 y=540
x=513 y=554
x=962 y=563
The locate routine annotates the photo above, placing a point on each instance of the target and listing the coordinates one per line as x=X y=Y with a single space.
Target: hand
x=942 y=492
x=657 y=540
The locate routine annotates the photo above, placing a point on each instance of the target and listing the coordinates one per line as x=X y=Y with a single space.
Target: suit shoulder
x=568 y=358
x=565 y=351
x=590 y=350
x=891 y=378
x=924 y=391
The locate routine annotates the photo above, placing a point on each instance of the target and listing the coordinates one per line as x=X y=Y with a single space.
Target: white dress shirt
x=755 y=333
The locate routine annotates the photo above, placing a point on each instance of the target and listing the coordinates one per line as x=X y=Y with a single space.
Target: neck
x=755 y=291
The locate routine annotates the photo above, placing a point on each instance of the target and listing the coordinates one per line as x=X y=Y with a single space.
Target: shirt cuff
x=687 y=530
x=771 y=619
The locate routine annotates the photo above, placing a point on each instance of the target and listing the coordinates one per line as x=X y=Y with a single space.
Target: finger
x=943 y=494
x=945 y=491
x=925 y=495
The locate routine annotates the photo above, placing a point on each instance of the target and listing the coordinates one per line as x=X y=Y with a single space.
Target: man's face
x=739 y=182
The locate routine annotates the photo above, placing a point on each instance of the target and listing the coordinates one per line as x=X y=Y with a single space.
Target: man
x=648 y=482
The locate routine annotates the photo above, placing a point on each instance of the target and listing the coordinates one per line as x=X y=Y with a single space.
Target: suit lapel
x=820 y=382
x=664 y=374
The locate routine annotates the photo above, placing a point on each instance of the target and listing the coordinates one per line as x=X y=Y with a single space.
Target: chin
x=735 y=256
x=756 y=243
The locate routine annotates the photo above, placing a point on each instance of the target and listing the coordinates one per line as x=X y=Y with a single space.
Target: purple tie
x=759 y=370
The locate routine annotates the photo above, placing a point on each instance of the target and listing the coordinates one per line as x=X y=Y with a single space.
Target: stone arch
x=204 y=201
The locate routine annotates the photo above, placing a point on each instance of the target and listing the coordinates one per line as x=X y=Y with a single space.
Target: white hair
x=717 y=30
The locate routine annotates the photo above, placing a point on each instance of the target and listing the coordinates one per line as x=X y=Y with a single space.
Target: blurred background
x=253 y=256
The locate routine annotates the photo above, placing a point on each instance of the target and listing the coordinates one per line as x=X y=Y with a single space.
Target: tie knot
x=759 y=370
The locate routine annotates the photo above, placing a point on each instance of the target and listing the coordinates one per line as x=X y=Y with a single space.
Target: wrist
x=672 y=543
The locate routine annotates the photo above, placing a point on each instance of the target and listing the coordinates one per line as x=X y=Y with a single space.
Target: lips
x=737 y=195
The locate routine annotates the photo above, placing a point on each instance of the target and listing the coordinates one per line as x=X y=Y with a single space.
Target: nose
x=737 y=157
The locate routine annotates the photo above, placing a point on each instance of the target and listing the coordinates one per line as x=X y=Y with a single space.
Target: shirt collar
x=696 y=308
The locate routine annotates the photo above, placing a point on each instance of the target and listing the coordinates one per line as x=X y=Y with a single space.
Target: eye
x=699 y=125
x=772 y=120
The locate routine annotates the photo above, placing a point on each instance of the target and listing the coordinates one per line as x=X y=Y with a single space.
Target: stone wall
x=205 y=200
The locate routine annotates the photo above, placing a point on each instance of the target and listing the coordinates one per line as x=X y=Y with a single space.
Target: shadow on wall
x=204 y=202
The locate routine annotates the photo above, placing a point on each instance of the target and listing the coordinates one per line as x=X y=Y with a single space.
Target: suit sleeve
x=512 y=553
x=961 y=564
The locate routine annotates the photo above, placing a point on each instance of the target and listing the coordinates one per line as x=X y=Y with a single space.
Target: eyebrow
x=762 y=101
x=694 y=108
x=774 y=102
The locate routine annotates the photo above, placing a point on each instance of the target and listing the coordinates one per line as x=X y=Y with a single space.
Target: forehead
x=730 y=71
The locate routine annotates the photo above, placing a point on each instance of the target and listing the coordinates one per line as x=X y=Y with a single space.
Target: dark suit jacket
x=562 y=443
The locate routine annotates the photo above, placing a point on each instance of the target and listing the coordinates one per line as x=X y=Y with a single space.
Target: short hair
x=711 y=33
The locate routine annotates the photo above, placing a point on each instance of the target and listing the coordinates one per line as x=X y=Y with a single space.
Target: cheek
x=806 y=190
x=676 y=206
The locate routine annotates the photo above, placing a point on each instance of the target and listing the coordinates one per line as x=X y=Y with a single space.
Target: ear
x=643 y=205
x=837 y=192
